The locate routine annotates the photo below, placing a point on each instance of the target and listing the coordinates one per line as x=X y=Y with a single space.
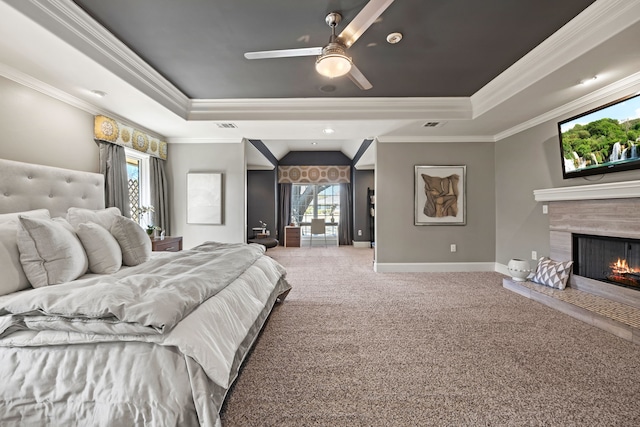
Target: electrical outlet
x=534 y=255
x=453 y=247
x=545 y=209
x=359 y=232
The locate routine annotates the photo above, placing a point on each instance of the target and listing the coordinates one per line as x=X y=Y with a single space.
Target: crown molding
x=629 y=83
x=44 y=88
x=600 y=21
x=613 y=190
x=187 y=140
x=435 y=139
x=62 y=96
x=453 y=108
x=63 y=17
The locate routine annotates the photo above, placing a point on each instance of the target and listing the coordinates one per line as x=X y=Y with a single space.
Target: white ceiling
x=60 y=51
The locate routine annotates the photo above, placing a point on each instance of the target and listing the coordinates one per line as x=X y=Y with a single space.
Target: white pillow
x=133 y=240
x=103 y=250
x=103 y=217
x=12 y=275
x=49 y=252
x=552 y=273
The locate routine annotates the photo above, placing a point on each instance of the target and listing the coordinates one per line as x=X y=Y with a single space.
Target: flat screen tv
x=605 y=139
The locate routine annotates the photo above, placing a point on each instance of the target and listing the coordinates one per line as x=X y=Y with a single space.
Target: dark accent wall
x=362 y=179
x=315 y=158
x=262 y=190
x=261 y=200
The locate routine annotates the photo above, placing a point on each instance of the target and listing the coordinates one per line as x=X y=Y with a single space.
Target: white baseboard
x=366 y=244
x=433 y=267
x=501 y=268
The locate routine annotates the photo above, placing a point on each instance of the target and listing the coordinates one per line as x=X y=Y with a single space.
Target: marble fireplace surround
x=611 y=209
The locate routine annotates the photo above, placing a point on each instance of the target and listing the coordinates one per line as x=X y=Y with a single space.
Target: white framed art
x=204 y=198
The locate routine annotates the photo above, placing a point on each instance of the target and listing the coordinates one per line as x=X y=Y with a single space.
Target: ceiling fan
x=332 y=60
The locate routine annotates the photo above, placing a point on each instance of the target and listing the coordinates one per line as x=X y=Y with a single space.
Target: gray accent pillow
x=133 y=240
x=50 y=253
x=103 y=217
x=552 y=273
x=12 y=275
x=103 y=250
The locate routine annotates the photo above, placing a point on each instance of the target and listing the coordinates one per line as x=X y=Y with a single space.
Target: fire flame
x=623 y=274
x=620 y=266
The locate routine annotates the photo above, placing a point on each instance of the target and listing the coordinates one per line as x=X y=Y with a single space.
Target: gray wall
x=261 y=200
x=36 y=128
x=225 y=158
x=398 y=240
x=527 y=161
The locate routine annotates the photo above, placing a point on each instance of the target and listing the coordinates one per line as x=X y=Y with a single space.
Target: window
x=138 y=176
x=315 y=201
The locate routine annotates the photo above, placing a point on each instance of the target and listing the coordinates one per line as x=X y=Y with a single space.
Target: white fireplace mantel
x=612 y=190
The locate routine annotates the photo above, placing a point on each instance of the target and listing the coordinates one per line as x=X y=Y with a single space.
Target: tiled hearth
x=615 y=317
x=612 y=210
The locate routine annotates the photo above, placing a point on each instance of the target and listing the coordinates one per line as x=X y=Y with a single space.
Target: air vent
x=433 y=124
x=226 y=126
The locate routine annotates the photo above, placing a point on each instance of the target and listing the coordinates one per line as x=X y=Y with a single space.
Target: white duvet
x=156 y=344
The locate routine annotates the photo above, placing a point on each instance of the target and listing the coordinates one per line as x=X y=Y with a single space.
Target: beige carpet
x=350 y=347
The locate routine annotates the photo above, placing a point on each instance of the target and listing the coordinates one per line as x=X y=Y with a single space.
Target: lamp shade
x=333 y=65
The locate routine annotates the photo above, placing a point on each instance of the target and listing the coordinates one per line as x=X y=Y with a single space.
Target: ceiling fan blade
x=363 y=20
x=284 y=53
x=358 y=78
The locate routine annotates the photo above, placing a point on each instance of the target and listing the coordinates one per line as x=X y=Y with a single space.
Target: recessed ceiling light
x=328 y=131
x=394 y=38
x=314 y=143
x=99 y=93
x=327 y=88
x=589 y=80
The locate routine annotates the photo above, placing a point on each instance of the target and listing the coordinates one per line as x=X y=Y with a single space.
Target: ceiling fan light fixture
x=333 y=62
x=333 y=65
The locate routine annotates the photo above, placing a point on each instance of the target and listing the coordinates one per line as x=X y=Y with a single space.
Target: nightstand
x=169 y=244
x=292 y=236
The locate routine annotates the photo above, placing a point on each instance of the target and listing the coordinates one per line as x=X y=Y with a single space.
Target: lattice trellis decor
x=134 y=199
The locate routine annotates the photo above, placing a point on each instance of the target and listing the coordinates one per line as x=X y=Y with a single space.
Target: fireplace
x=608 y=259
x=597 y=211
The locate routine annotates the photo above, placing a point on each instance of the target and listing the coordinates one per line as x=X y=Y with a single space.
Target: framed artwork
x=204 y=198
x=440 y=195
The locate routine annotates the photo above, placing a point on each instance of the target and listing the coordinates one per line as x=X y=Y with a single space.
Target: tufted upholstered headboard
x=25 y=186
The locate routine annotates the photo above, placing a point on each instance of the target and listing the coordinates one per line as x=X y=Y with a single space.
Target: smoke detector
x=394 y=38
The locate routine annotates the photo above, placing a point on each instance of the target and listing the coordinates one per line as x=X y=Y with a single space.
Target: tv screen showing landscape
x=602 y=140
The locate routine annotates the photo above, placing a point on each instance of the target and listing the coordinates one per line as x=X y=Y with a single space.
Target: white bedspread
x=200 y=304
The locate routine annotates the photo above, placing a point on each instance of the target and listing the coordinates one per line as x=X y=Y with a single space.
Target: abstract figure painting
x=440 y=195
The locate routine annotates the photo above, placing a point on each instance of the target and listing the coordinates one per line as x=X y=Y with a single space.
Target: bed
x=157 y=340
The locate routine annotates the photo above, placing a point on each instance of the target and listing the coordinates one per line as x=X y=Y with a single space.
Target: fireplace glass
x=609 y=259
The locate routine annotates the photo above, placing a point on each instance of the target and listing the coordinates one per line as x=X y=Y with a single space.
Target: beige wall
x=225 y=158
x=36 y=128
x=528 y=161
x=398 y=240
